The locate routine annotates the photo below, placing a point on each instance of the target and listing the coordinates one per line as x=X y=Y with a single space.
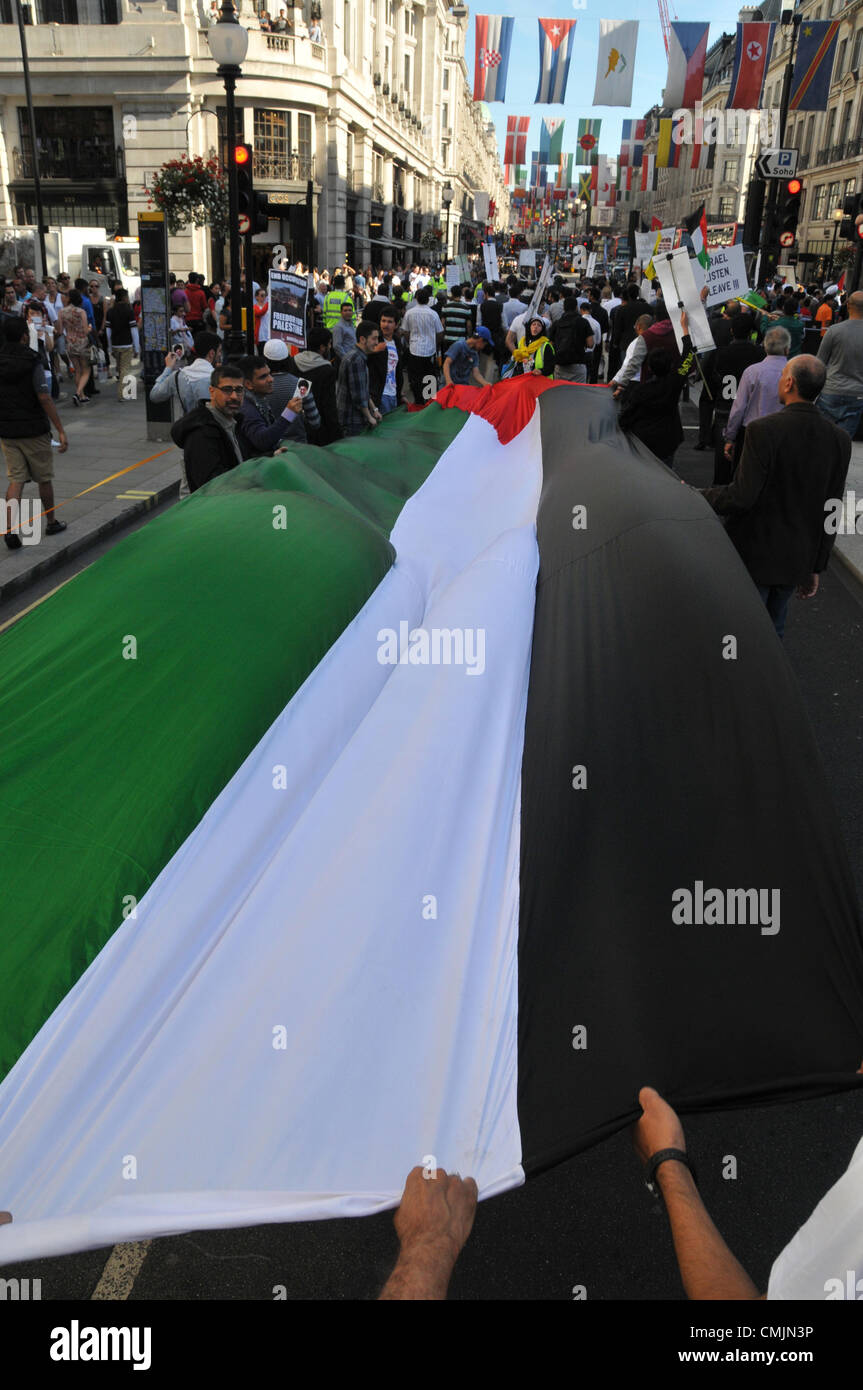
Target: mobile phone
x=303 y=386
x=179 y=352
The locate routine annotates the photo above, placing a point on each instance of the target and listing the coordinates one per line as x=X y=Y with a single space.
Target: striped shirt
x=421 y=326
x=458 y=321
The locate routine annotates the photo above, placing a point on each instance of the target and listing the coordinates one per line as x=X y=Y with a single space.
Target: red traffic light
x=859 y=230
x=794 y=186
x=242 y=154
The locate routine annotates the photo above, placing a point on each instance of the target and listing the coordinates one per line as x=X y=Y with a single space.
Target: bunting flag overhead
x=751 y=60
x=520 y=180
x=606 y=181
x=813 y=65
x=564 y=172
x=586 y=183
x=626 y=176
x=551 y=140
x=616 y=62
x=687 y=54
x=515 y=150
x=270 y=1055
x=668 y=148
x=492 y=41
x=703 y=156
x=588 y=141
x=648 y=174
x=555 y=47
x=632 y=142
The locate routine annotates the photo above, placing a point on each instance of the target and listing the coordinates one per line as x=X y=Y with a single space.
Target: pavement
x=588 y=1223
x=110 y=474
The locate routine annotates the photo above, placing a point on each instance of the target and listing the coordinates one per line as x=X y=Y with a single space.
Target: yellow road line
x=122 y=1269
x=30 y=607
x=131 y=468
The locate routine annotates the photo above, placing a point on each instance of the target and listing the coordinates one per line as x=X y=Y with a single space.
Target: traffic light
x=242 y=157
x=789 y=212
x=261 y=219
x=851 y=227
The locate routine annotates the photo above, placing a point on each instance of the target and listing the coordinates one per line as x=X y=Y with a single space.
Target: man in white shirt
x=630 y=369
x=423 y=331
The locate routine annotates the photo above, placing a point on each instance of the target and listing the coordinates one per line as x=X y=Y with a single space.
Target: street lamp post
x=447 y=195
x=34 y=146
x=229 y=42
x=837 y=218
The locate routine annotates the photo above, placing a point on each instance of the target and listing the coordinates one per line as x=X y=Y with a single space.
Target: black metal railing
x=69 y=159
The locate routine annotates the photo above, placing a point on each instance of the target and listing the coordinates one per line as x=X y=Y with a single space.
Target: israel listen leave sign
x=726 y=276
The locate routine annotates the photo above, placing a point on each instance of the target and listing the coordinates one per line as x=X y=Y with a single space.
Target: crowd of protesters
x=378 y=339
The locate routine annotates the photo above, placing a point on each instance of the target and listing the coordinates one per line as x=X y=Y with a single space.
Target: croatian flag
x=751 y=59
x=555 y=47
x=516 y=139
x=493 y=39
x=632 y=143
x=687 y=52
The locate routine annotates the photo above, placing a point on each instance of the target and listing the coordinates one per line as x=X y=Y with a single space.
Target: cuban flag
x=751 y=60
x=813 y=66
x=632 y=143
x=555 y=47
x=687 y=53
x=493 y=39
x=516 y=139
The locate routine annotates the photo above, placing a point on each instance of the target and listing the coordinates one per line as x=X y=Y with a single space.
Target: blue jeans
x=777 y=600
x=844 y=411
x=388 y=403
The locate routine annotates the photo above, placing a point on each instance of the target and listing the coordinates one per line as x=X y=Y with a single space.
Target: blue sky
x=650 y=63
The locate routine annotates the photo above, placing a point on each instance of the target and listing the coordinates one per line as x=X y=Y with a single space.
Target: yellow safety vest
x=333 y=307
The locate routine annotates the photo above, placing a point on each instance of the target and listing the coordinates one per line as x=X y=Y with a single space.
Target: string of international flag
x=635 y=170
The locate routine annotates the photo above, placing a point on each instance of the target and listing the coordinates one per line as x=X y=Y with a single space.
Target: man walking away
x=572 y=341
x=208 y=434
x=727 y=365
x=458 y=318
x=424 y=332
x=794 y=463
x=841 y=351
x=122 y=338
x=26 y=416
x=758 y=392
x=314 y=364
x=356 y=409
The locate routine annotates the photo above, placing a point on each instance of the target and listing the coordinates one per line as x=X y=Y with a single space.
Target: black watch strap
x=660 y=1157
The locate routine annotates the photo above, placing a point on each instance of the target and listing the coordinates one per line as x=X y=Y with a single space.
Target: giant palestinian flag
x=395 y=799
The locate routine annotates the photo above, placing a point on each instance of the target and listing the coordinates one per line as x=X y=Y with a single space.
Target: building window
x=855 y=52
x=726 y=209
x=410 y=20
x=444 y=120
x=387 y=65
x=347 y=27
x=304 y=146
x=73 y=211
x=729 y=171
x=390 y=13
x=444 y=153
x=74 y=142
x=840 y=60
x=832 y=199
x=272 y=145
x=349 y=159
x=850 y=187
x=446 y=76
x=845 y=128
x=831 y=131
x=820 y=200
x=407 y=73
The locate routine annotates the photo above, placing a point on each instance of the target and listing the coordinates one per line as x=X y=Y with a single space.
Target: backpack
x=568 y=345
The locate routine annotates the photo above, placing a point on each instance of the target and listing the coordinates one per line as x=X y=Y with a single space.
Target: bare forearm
x=707 y=1267
x=51 y=411
x=422 y=1273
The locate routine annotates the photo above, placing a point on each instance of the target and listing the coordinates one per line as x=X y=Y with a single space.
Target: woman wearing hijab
x=535 y=352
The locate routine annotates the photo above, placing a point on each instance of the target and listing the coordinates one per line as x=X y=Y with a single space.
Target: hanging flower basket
x=191 y=192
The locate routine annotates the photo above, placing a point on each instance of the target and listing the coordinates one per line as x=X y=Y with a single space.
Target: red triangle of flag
x=562 y=26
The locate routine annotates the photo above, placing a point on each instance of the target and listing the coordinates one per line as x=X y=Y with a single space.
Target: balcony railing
x=281 y=43
x=834 y=154
x=80 y=159
x=290 y=167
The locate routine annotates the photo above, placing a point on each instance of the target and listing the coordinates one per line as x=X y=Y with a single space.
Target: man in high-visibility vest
x=333 y=302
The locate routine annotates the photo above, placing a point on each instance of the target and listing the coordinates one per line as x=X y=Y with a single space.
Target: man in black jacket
x=315 y=364
x=572 y=341
x=623 y=322
x=386 y=365
x=794 y=463
x=725 y=368
x=26 y=416
x=208 y=434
